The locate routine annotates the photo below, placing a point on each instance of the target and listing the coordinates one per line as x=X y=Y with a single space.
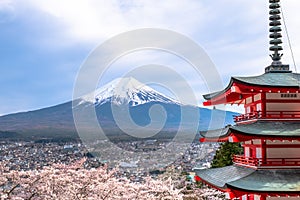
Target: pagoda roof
x=219 y=177
x=272 y=80
x=258 y=129
x=266 y=81
x=248 y=179
x=287 y=180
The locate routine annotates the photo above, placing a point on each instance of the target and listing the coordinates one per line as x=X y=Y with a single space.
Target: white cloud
x=233 y=32
x=230 y=24
x=92 y=20
x=7 y=12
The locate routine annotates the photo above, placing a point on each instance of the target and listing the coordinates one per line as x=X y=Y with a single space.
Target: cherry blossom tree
x=63 y=182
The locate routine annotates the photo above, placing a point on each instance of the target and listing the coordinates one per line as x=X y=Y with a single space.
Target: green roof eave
x=287 y=180
x=249 y=179
x=260 y=128
x=215 y=94
x=219 y=177
x=270 y=128
x=216 y=133
x=269 y=80
x=272 y=80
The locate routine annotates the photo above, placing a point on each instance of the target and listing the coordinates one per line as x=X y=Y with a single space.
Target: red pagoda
x=269 y=130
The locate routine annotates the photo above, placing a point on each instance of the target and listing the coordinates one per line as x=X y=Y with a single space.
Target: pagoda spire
x=275 y=38
x=275 y=30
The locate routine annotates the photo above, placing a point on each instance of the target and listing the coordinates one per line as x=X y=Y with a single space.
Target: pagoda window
x=248 y=142
x=257 y=97
x=250 y=152
x=244 y=197
x=257 y=197
x=257 y=141
x=248 y=100
x=253 y=104
x=253 y=148
x=248 y=109
x=247 y=152
x=258 y=107
x=258 y=152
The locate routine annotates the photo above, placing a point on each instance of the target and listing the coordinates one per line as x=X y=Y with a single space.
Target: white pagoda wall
x=282 y=107
x=282 y=152
x=285 y=102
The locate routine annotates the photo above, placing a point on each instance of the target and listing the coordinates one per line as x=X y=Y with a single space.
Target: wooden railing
x=269 y=162
x=282 y=114
x=238 y=159
x=248 y=116
x=268 y=115
x=282 y=162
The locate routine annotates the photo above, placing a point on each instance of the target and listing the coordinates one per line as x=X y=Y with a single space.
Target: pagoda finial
x=275 y=38
x=275 y=30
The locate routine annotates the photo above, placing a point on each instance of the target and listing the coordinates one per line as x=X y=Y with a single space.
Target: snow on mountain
x=126 y=90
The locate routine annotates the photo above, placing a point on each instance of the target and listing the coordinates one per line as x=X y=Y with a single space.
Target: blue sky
x=44 y=43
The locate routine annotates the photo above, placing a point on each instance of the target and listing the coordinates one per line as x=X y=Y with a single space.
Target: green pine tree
x=224 y=154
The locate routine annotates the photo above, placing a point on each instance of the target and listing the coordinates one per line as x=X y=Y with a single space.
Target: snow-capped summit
x=126 y=90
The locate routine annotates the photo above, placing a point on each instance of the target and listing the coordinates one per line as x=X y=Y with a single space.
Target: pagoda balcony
x=288 y=115
x=248 y=116
x=266 y=163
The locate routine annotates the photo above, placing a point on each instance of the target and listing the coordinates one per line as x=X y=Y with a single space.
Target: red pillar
x=264 y=151
x=263 y=104
x=263 y=197
x=251 y=197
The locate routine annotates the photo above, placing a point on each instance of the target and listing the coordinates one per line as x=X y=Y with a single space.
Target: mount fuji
x=57 y=122
x=126 y=90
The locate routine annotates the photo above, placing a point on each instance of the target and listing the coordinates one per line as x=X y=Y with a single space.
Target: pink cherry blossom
x=63 y=182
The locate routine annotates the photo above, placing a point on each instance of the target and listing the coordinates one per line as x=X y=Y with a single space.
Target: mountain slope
x=57 y=122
